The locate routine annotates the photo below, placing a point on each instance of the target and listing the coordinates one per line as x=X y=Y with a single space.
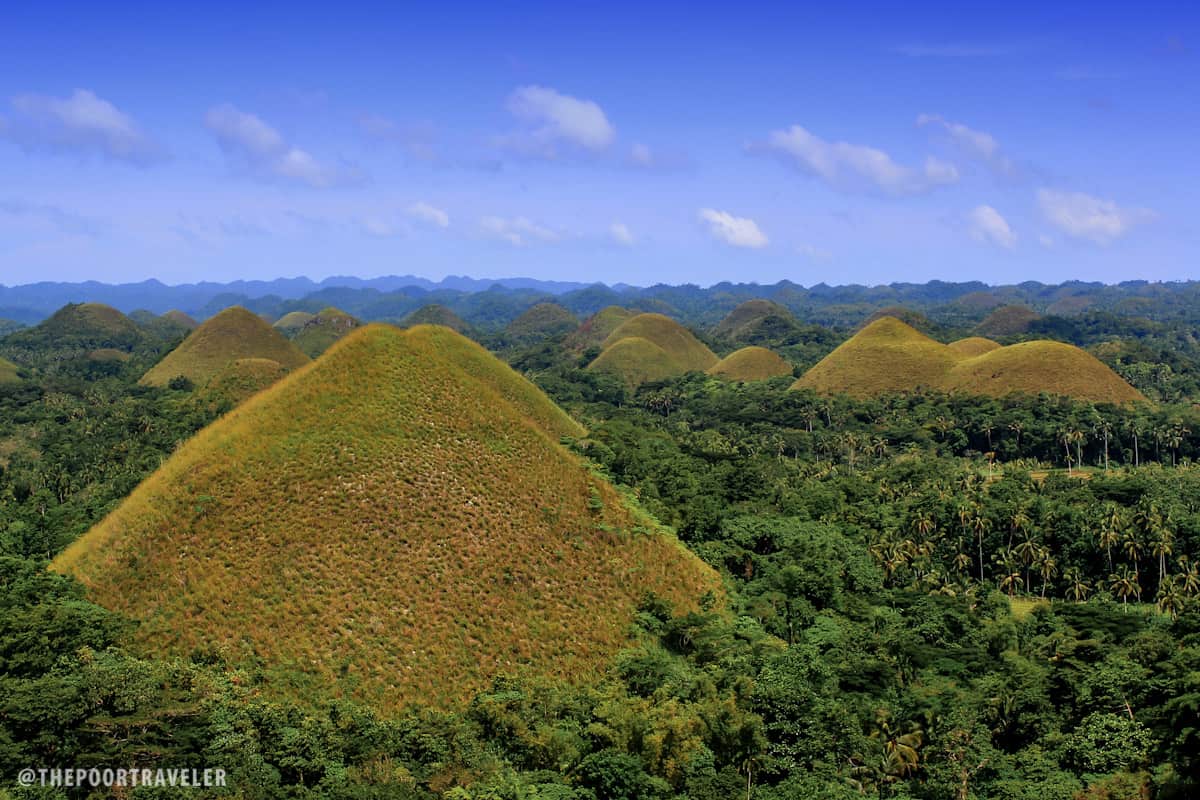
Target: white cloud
x=555 y=120
x=517 y=231
x=736 y=231
x=620 y=234
x=975 y=143
x=1086 y=217
x=847 y=166
x=81 y=123
x=378 y=227
x=429 y=214
x=987 y=225
x=253 y=146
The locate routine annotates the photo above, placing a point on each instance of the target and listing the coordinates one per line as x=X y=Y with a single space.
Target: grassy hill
x=885 y=356
x=240 y=379
x=911 y=318
x=437 y=314
x=889 y=356
x=973 y=346
x=674 y=339
x=70 y=336
x=395 y=521
x=751 y=316
x=1033 y=367
x=542 y=321
x=293 y=322
x=751 y=364
x=181 y=319
x=636 y=361
x=1007 y=321
x=325 y=328
x=234 y=333
x=596 y=328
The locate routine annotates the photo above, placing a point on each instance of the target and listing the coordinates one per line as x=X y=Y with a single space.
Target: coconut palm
x=1170 y=599
x=1047 y=567
x=1077 y=587
x=1125 y=584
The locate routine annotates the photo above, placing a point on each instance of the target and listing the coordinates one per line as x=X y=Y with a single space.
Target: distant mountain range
x=490 y=304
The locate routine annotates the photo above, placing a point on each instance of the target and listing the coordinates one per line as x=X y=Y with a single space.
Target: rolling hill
x=542 y=321
x=73 y=332
x=293 y=322
x=596 y=328
x=1007 y=321
x=233 y=334
x=889 y=356
x=181 y=319
x=973 y=346
x=674 y=339
x=751 y=364
x=395 y=521
x=325 y=328
x=753 y=317
x=636 y=361
x=240 y=379
x=437 y=314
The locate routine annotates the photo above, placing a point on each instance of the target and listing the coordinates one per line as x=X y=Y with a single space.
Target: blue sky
x=601 y=141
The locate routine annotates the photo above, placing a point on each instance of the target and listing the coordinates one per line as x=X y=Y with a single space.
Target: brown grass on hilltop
x=636 y=361
x=394 y=522
x=240 y=379
x=751 y=364
x=234 y=333
x=675 y=340
x=973 y=346
x=889 y=356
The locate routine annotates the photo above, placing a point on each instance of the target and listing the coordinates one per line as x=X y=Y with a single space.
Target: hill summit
x=325 y=328
x=233 y=334
x=889 y=356
x=652 y=347
x=755 y=318
x=542 y=321
x=751 y=364
x=395 y=521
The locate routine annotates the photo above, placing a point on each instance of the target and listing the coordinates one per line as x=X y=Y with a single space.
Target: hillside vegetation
x=240 y=379
x=1007 y=321
x=8 y=371
x=888 y=356
x=395 y=522
x=596 y=328
x=752 y=316
x=181 y=319
x=323 y=330
x=72 y=332
x=293 y=322
x=542 y=321
x=636 y=361
x=751 y=364
x=233 y=334
x=437 y=314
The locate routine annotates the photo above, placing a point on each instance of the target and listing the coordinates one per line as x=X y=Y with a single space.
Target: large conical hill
x=325 y=328
x=751 y=316
x=595 y=329
x=1007 y=321
x=885 y=356
x=233 y=334
x=437 y=314
x=540 y=322
x=1041 y=366
x=394 y=522
x=636 y=361
x=751 y=364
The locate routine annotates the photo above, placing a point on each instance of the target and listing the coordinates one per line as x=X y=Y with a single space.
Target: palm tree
x=1134 y=427
x=1016 y=426
x=1010 y=575
x=1110 y=530
x=1162 y=545
x=1077 y=587
x=1124 y=585
x=1189 y=577
x=1104 y=428
x=981 y=525
x=1047 y=568
x=1027 y=551
x=1170 y=599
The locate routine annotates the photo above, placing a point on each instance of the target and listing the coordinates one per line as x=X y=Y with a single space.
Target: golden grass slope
x=8 y=372
x=889 y=356
x=674 y=339
x=973 y=346
x=751 y=364
x=387 y=523
x=636 y=361
x=240 y=379
x=325 y=328
x=292 y=322
x=234 y=333
x=885 y=356
x=1041 y=366
x=749 y=315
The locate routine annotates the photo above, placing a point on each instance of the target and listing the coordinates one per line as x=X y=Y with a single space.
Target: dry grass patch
x=973 y=346
x=674 y=339
x=636 y=361
x=596 y=328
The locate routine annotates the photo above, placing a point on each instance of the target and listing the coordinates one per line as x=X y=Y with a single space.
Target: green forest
x=926 y=595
